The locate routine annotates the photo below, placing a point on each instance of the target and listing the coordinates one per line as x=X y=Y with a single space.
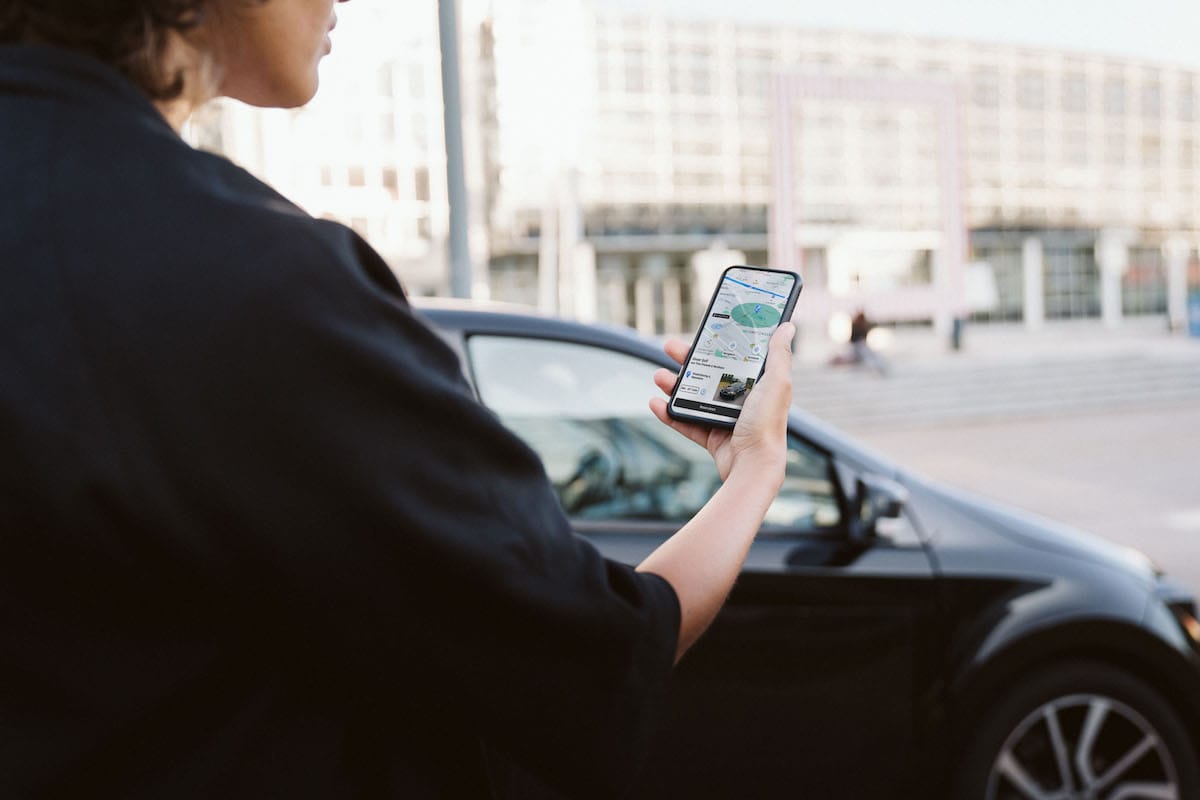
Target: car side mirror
x=878 y=498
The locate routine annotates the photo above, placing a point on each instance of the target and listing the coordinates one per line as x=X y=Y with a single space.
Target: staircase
x=999 y=384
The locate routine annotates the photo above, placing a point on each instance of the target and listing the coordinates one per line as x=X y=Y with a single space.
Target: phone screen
x=727 y=356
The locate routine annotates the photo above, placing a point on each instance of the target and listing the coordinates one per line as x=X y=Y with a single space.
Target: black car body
x=874 y=643
x=733 y=391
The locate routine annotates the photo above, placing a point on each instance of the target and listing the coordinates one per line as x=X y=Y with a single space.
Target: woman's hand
x=759 y=439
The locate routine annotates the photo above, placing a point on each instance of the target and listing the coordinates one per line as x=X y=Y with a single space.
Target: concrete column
x=584 y=303
x=652 y=270
x=945 y=309
x=1177 y=250
x=613 y=273
x=616 y=304
x=1033 y=263
x=643 y=305
x=672 y=306
x=548 y=262
x=1112 y=257
x=569 y=224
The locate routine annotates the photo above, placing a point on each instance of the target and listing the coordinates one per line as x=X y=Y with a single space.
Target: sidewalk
x=1011 y=343
x=1003 y=372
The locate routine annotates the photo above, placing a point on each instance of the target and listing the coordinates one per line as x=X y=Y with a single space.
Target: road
x=1132 y=476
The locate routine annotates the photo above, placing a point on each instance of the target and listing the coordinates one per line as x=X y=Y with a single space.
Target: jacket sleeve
x=377 y=521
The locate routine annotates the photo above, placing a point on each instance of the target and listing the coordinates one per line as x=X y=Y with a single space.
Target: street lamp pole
x=456 y=178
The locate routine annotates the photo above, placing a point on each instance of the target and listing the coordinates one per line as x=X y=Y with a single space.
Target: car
x=888 y=636
x=733 y=391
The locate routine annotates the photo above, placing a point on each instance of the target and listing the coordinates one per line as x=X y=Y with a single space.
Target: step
x=962 y=391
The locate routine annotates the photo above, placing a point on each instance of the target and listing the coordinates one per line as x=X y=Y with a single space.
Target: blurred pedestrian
x=861 y=351
x=243 y=552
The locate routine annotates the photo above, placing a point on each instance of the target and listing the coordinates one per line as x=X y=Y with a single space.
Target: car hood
x=945 y=509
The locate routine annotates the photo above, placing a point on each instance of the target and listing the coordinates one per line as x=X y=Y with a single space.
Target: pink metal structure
x=945 y=298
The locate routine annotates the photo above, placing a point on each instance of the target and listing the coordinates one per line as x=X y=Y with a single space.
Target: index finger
x=677 y=349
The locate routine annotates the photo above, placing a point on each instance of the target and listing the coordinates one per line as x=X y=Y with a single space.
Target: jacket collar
x=54 y=72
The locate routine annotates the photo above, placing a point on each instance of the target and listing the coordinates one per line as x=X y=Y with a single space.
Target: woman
x=238 y=556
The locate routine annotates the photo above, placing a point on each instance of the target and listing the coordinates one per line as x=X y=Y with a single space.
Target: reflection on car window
x=584 y=410
x=807 y=499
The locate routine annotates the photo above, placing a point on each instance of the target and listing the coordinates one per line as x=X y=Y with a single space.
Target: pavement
x=1002 y=372
x=1012 y=342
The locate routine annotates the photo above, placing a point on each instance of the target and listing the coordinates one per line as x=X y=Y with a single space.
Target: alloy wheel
x=1083 y=747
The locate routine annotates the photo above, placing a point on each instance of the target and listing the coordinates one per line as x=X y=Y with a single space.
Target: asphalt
x=1096 y=428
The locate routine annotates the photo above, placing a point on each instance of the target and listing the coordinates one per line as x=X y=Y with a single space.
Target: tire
x=1078 y=729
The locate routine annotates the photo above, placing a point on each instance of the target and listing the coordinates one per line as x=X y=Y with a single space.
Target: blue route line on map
x=755 y=288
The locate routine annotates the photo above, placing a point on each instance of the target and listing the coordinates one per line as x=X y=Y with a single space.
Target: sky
x=1156 y=30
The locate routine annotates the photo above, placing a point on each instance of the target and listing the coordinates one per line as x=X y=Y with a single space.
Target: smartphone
x=730 y=349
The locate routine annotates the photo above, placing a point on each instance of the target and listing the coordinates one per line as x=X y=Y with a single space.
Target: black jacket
x=257 y=538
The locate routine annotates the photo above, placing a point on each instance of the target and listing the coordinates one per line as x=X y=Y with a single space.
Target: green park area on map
x=755 y=315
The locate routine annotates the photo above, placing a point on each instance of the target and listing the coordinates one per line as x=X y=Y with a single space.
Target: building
x=1064 y=156
x=617 y=159
x=369 y=150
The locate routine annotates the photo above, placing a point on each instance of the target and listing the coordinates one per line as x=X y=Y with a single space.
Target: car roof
x=511 y=320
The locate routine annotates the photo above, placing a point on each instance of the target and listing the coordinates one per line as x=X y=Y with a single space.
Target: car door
x=820 y=674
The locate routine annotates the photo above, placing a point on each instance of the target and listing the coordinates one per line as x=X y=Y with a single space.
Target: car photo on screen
x=734 y=390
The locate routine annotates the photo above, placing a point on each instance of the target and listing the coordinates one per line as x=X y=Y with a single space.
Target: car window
x=583 y=409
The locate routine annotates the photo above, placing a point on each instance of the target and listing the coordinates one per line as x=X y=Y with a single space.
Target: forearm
x=702 y=560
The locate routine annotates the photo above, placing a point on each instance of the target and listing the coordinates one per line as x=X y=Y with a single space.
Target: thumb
x=779 y=353
x=764 y=416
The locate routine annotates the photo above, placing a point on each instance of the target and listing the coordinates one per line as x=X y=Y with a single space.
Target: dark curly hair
x=128 y=35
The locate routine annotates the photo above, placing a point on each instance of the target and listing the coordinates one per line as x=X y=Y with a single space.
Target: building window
x=421 y=184
x=1114 y=149
x=985 y=88
x=386 y=89
x=635 y=71
x=1032 y=145
x=391 y=181
x=1151 y=151
x=1187 y=100
x=1152 y=99
x=1114 y=96
x=1072 y=283
x=354 y=128
x=357 y=176
x=1075 y=147
x=416 y=82
x=1031 y=90
x=420 y=132
x=1144 y=284
x=752 y=83
x=1074 y=92
x=326 y=175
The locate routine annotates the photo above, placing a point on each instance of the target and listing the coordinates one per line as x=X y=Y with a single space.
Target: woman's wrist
x=761 y=469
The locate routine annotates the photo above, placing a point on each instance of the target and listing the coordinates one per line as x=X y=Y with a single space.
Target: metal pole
x=456 y=176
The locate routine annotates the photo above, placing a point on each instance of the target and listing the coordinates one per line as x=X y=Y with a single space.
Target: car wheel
x=1081 y=730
